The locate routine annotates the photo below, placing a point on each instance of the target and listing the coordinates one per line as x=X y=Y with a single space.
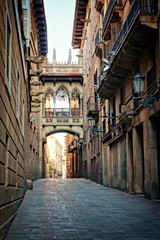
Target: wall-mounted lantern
x=138 y=86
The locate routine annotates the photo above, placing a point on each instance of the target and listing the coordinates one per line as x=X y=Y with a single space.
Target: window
x=75 y=103
x=151 y=80
x=95 y=78
x=62 y=102
x=26 y=20
x=49 y=104
x=8 y=53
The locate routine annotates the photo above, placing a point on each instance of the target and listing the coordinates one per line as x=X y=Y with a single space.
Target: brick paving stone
x=78 y=209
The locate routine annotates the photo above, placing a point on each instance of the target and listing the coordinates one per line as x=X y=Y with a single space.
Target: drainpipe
x=109 y=114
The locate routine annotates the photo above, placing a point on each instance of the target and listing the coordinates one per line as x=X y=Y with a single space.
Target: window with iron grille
x=151 y=80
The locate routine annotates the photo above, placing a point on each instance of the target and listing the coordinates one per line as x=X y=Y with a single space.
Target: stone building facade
x=84 y=33
x=13 y=110
x=120 y=43
x=54 y=156
x=73 y=156
x=15 y=48
x=36 y=54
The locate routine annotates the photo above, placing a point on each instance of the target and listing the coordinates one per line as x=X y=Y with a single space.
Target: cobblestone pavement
x=81 y=209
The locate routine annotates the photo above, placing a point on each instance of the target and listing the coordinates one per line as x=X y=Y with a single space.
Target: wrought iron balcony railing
x=111 y=6
x=139 y=8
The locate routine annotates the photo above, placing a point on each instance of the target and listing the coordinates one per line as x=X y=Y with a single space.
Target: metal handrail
x=138 y=8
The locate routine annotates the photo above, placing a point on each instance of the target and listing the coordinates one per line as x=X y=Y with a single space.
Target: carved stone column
x=70 y=105
x=54 y=102
x=81 y=107
x=43 y=106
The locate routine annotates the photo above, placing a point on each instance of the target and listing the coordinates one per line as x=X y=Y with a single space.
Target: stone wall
x=12 y=124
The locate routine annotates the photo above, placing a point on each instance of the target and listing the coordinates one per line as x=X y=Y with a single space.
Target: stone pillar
x=150 y=156
x=43 y=107
x=119 y=170
x=70 y=105
x=54 y=99
x=81 y=106
x=138 y=161
x=129 y=156
x=110 y=166
x=122 y=163
x=115 y=164
x=146 y=156
x=105 y=166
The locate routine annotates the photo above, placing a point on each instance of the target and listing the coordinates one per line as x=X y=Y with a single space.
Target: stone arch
x=49 y=91
x=50 y=130
x=62 y=89
x=75 y=94
x=49 y=102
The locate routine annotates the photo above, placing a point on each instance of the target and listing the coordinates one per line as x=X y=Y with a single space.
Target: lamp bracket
x=148 y=101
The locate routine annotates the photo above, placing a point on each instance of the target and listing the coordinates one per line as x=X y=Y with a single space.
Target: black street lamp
x=138 y=86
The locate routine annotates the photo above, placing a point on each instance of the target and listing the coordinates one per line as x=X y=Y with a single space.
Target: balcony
x=116 y=132
x=92 y=107
x=99 y=5
x=136 y=33
x=111 y=16
x=99 y=43
x=75 y=111
x=50 y=112
x=61 y=117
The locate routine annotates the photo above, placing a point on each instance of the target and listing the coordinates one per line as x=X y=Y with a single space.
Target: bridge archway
x=69 y=163
x=78 y=131
x=61 y=102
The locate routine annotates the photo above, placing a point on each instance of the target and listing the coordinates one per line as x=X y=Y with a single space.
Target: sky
x=60 y=18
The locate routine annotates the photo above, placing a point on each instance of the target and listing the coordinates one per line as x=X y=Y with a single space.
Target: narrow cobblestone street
x=81 y=209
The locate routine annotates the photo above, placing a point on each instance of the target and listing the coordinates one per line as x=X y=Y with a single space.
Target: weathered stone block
x=29 y=184
x=2 y=174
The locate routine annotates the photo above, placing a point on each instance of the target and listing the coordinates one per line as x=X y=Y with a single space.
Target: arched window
x=62 y=102
x=75 y=102
x=49 y=103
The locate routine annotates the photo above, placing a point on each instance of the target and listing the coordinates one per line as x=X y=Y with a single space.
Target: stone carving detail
x=62 y=120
